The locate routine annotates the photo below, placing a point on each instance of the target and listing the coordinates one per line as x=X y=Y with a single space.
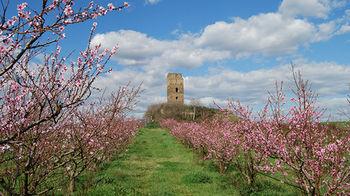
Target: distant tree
x=195 y=103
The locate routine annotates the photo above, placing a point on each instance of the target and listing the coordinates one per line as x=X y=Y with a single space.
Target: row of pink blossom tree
x=310 y=155
x=48 y=129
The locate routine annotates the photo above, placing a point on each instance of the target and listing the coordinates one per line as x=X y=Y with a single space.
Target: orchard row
x=50 y=130
x=308 y=155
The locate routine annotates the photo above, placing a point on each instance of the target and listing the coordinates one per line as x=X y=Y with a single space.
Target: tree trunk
x=222 y=167
x=194 y=113
x=71 y=185
x=315 y=192
x=26 y=184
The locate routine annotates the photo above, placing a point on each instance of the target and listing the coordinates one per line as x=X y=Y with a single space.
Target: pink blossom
x=68 y=21
x=68 y=11
x=94 y=15
x=25 y=15
x=12 y=21
x=22 y=6
x=2 y=49
x=111 y=6
x=102 y=11
x=53 y=96
x=61 y=28
x=114 y=50
x=84 y=14
x=305 y=151
x=78 y=83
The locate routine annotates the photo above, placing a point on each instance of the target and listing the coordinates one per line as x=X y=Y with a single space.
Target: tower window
x=177 y=98
x=177 y=90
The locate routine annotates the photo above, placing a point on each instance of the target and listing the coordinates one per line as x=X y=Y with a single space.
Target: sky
x=226 y=49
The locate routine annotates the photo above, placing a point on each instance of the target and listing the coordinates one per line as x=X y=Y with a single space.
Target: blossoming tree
x=37 y=100
x=293 y=141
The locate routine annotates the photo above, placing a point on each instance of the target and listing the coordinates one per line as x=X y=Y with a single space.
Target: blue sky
x=226 y=49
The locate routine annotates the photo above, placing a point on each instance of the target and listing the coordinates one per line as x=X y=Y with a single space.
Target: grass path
x=156 y=164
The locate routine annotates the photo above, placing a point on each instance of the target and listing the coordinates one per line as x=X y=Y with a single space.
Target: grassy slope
x=157 y=164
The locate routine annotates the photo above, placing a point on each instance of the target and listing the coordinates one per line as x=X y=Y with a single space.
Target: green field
x=157 y=164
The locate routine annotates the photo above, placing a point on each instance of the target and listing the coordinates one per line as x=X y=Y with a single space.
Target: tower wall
x=175 y=88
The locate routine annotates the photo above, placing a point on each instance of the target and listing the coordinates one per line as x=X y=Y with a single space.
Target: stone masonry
x=175 y=88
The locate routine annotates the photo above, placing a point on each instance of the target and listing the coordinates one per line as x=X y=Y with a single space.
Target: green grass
x=157 y=164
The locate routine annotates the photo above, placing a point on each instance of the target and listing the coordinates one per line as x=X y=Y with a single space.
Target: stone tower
x=175 y=89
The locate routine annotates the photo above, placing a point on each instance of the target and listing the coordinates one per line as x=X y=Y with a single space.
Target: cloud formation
x=329 y=80
x=267 y=34
x=315 y=8
x=309 y=8
x=147 y=59
x=137 y=48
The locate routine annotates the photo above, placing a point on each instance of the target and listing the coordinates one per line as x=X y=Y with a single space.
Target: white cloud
x=326 y=31
x=152 y=1
x=147 y=59
x=269 y=34
x=153 y=84
x=139 y=49
x=315 y=8
x=136 y=48
x=344 y=29
x=265 y=34
x=310 y=8
x=329 y=80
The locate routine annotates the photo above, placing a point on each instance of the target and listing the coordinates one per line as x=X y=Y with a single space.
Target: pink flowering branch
x=80 y=140
x=99 y=132
x=39 y=102
x=45 y=92
x=38 y=28
x=311 y=155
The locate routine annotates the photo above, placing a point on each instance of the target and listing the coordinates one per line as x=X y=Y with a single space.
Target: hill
x=181 y=112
